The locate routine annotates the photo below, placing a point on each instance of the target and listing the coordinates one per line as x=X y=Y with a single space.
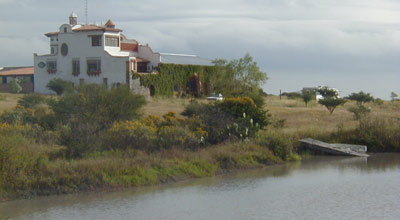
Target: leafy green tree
x=15 y=86
x=361 y=97
x=328 y=92
x=331 y=103
x=59 y=86
x=239 y=78
x=307 y=96
x=394 y=96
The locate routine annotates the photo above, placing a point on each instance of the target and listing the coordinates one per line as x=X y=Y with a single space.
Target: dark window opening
x=76 y=67
x=51 y=66
x=96 y=41
x=4 y=80
x=142 y=67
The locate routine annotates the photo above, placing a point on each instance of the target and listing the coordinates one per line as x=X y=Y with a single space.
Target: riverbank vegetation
x=96 y=138
x=61 y=144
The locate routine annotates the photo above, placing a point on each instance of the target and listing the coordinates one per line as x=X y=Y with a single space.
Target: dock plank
x=335 y=149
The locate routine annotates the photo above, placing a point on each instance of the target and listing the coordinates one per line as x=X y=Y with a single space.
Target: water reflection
x=335 y=188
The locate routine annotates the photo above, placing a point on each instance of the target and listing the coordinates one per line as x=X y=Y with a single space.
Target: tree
x=15 y=87
x=307 y=96
x=328 y=92
x=393 y=95
x=361 y=97
x=330 y=99
x=59 y=86
x=331 y=103
x=240 y=77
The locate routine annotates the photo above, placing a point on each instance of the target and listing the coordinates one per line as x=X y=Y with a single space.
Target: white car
x=215 y=97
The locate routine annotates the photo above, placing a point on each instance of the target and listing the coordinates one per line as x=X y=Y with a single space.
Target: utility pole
x=86 y=11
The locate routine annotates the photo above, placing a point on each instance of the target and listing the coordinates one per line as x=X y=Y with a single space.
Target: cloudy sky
x=351 y=45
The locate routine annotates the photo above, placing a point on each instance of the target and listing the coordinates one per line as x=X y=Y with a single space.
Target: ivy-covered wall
x=175 y=75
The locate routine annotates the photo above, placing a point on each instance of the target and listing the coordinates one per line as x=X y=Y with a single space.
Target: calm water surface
x=317 y=188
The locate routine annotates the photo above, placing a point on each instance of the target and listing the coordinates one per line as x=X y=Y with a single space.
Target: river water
x=316 y=188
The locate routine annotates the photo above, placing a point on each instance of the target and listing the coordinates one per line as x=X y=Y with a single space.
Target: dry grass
x=296 y=114
x=316 y=117
x=8 y=101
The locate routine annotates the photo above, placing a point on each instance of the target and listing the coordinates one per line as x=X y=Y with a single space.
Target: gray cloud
x=298 y=43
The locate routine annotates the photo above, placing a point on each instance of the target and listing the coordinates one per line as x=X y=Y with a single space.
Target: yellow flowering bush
x=132 y=134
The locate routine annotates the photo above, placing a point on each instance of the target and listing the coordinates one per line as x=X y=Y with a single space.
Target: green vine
x=174 y=75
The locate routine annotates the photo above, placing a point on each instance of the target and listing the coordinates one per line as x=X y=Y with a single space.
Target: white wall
x=145 y=52
x=80 y=47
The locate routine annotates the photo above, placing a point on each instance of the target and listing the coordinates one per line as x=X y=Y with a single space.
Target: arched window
x=65 y=30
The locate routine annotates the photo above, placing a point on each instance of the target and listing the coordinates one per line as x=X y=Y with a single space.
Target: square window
x=93 y=67
x=96 y=40
x=51 y=66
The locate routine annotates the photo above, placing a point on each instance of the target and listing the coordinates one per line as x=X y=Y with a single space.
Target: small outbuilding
x=24 y=75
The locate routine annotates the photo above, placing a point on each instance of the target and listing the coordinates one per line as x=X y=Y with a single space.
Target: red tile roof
x=17 y=71
x=92 y=27
x=89 y=27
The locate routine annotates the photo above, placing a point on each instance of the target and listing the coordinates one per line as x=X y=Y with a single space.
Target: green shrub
x=31 y=100
x=172 y=136
x=59 y=86
x=278 y=142
x=234 y=117
x=86 y=114
x=378 y=101
x=211 y=119
x=246 y=108
x=359 y=111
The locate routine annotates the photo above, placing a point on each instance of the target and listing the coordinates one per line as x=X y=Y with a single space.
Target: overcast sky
x=351 y=45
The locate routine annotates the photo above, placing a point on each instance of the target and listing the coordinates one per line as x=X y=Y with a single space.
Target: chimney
x=73 y=19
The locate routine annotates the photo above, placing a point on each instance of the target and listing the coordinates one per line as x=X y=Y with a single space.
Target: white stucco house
x=99 y=54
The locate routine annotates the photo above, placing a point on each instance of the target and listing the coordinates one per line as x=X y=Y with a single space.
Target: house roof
x=184 y=59
x=92 y=27
x=88 y=27
x=17 y=71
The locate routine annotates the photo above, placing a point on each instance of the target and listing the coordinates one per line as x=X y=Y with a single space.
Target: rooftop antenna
x=86 y=11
